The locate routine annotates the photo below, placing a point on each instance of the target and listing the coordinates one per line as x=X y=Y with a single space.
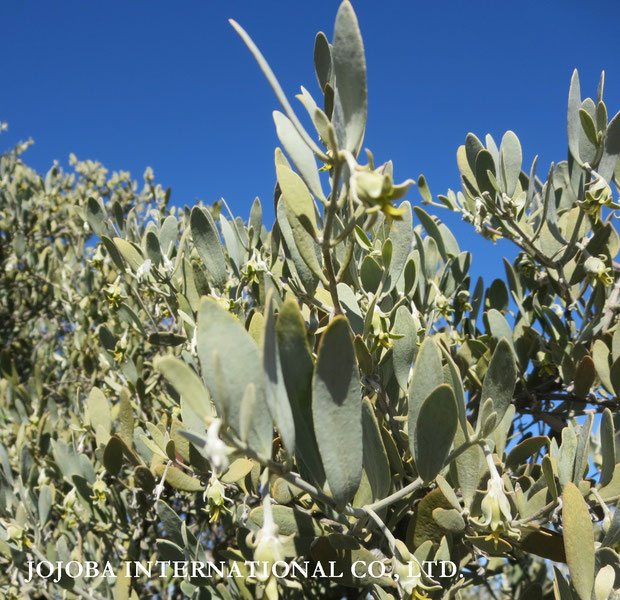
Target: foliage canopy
x=179 y=384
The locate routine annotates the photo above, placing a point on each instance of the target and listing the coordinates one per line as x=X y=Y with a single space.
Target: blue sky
x=142 y=83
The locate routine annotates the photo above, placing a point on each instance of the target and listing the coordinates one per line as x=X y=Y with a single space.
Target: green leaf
x=96 y=217
x=581 y=453
x=433 y=230
x=500 y=379
x=375 y=458
x=456 y=381
x=510 y=161
x=350 y=306
x=600 y=356
x=275 y=86
x=525 y=449
x=308 y=279
x=427 y=375
x=470 y=466
x=566 y=458
x=608 y=447
x=401 y=234
x=275 y=389
x=289 y=521
x=435 y=429
x=578 y=540
x=350 y=70
x=187 y=384
x=208 y=244
x=299 y=153
x=322 y=60
x=179 y=479
x=113 y=455
x=300 y=213
x=574 y=123
x=337 y=410
x=230 y=362
x=129 y=252
x=170 y=521
x=611 y=152
x=449 y=519
x=404 y=348
x=237 y=471
x=588 y=125
x=99 y=415
x=297 y=369
x=44 y=504
x=370 y=274
x=498 y=326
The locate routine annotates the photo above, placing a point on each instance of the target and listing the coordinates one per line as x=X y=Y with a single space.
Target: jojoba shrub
x=335 y=392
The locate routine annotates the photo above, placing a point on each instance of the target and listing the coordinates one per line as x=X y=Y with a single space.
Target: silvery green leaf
x=273 y=82
x=608 y=447
x=255 y=222
x=581 y=453
x=233 y=245
x=350 y=70
x=427 y=376
x=456 y=381
x=297 y=369
x=349 y=304
x=612 y=537
x=130 y=253
x=337 y=410
x=97 y=218
x=322 y=60
x=573 y=122
x=308 y=279
x=299 y=153
x=99 y=415
x=578 y=540
x=275 y=389
x=566 y=458
x=223 y=342
x=404 y=348
x=208 y=244
x=187 y=384
x=168 y=234
x=433 y=230
x=435 y=428
x=510 y=161
x=500 y=379
x=153 y=249
x=375 y=458
x=301 y=216
x=498 y=326
x=611 y=153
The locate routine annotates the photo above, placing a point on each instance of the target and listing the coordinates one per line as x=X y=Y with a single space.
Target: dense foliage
x=180 y=385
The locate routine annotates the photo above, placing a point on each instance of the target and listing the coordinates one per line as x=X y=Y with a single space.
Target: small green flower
x=598 y=195
x=497 y=515
x=375 y=189
x=596 y=270
x=215 y=497
x=408 y=574
x=100 y=493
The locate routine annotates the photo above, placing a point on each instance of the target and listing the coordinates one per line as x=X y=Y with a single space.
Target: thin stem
x=382 y=526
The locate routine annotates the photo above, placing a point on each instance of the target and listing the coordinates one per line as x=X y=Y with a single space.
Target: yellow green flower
x=215 y=496
x=100 y=493
x=598 y=194
x=596 y=270
x=408 y=574
x=375 y=189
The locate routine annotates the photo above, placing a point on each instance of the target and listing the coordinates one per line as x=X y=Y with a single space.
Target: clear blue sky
x=170 y=85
